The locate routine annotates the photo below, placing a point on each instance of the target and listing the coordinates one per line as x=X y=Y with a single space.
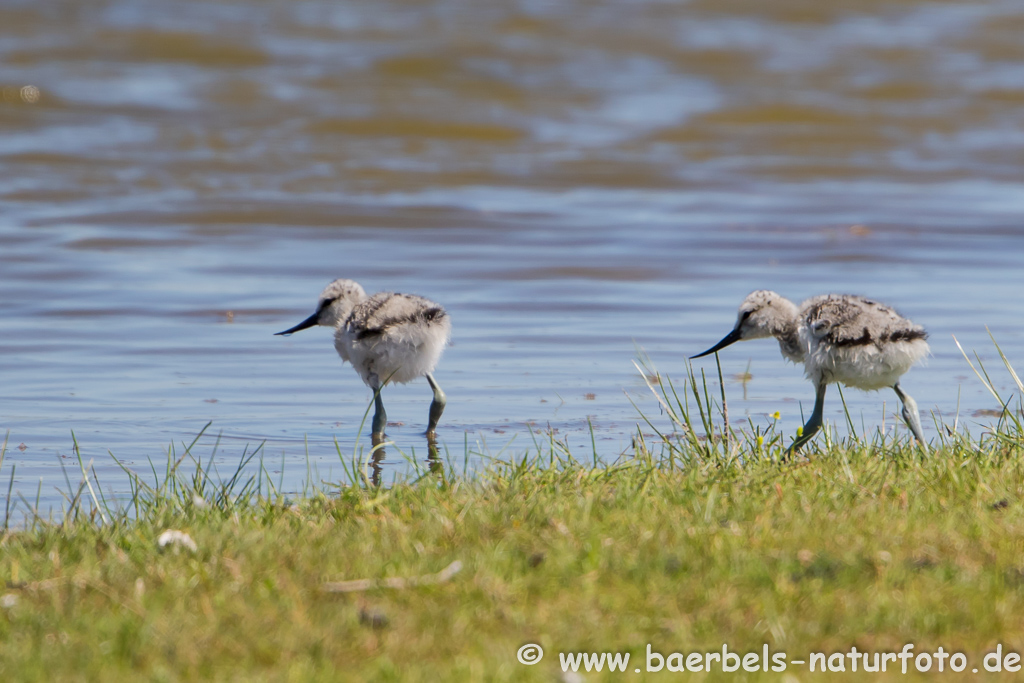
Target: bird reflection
x=376 y=458
x=434 y=462
x=434 y=458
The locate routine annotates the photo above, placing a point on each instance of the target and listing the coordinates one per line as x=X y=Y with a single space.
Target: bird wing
x=387 y=312
x=846 y=320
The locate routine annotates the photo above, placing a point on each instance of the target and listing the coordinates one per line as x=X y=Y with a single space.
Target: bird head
x=335 y=303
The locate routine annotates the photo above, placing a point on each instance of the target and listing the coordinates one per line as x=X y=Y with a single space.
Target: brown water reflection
x=571 y=180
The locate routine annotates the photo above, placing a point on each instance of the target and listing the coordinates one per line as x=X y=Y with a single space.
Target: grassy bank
x=697 y=538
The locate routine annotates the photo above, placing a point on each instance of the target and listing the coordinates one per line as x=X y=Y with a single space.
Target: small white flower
x=176 y=538
x=8 y=600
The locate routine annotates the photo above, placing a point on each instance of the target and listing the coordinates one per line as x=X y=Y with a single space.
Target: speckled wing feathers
x=386 y=311
x=857 y=342
x=844 y=321
x=393 y=337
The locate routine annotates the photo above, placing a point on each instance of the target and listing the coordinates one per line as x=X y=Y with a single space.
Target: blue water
x=571 y=187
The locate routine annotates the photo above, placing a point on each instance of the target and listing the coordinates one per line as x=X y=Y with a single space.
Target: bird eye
x=744 y=316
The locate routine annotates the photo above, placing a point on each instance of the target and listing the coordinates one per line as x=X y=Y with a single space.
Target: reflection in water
x=573 y=180
x=433 y=457
x=378 y=454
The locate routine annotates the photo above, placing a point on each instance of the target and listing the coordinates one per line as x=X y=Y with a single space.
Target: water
x=571 y=180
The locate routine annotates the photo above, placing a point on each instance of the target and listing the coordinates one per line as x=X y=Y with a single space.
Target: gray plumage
x=388 y=337
x=392 y=337
x=840 y=338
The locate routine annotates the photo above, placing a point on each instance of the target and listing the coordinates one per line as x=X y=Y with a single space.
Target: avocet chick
x=388 y=337
x=841 y=338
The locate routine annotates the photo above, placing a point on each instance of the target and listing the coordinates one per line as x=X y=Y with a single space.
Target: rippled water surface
x=573 y=181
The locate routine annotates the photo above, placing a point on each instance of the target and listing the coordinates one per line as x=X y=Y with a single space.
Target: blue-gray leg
x=436 y=406
x=910 y=414
x=813 y=424
x=380 y=418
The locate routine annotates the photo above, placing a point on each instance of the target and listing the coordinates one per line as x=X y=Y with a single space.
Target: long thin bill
x=305 y=324
x=730 y=338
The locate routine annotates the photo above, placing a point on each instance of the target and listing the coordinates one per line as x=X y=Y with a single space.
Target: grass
x=696 y=538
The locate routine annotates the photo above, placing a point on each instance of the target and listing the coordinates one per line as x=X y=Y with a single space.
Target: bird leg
x=380 y=418
x=436 y=406
x=814 y=423
x=910 y=414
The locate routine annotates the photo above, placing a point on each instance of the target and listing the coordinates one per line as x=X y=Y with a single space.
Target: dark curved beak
x=730 y=338
x=305 y=324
